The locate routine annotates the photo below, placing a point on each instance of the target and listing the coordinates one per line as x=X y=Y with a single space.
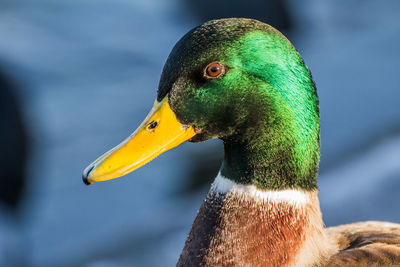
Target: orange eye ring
x=214 y=70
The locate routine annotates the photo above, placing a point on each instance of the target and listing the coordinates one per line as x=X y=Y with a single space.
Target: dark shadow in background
x=13 y=146
x=274 y=12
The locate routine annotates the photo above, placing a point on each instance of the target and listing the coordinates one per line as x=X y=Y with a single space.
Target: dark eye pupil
x=214 y=69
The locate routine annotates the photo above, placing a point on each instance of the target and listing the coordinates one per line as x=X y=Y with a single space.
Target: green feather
x=265 y=107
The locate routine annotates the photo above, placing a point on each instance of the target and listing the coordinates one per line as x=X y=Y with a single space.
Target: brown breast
x=233 y=230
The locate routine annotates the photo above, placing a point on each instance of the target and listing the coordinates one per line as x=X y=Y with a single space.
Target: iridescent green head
x=239 y=80
x=263 y=104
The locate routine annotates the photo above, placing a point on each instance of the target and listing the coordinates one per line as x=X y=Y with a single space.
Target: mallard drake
x=242 y=81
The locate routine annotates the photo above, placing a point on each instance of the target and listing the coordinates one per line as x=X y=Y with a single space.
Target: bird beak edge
x=159 y=132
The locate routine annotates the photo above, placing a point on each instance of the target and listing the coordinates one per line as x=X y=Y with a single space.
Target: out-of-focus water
x=89 y=72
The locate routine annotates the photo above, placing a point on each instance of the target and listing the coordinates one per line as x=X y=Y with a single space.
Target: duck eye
x=214 y=70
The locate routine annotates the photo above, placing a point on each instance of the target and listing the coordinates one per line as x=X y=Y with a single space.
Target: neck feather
x=273 y=153
x=240 y=225
x=222 y=186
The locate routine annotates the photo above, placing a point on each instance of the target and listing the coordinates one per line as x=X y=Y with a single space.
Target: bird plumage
x=261 y=101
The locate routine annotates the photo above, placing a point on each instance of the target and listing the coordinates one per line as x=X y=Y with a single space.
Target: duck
x=242 y=81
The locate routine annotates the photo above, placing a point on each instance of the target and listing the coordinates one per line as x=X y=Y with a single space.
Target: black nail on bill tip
x=86 y=175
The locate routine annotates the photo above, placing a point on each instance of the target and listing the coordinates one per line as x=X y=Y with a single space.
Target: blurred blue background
x=78 y=76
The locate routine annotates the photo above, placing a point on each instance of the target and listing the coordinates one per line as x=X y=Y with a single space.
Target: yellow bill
x=159 y=132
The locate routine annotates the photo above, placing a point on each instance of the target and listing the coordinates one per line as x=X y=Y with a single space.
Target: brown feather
x=365 y=244
x=239 y=230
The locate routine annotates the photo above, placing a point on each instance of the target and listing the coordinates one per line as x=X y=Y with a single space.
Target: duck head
x=239 y=80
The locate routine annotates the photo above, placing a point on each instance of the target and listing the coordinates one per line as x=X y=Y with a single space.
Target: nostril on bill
x=152 y=125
